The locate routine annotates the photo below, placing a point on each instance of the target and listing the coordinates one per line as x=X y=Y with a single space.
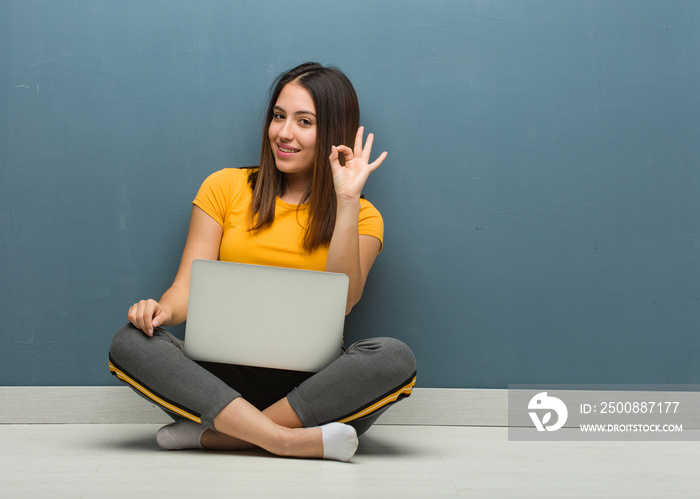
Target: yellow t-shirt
x=225 y=196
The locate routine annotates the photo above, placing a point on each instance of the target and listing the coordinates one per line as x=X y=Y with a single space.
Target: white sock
x=184 y=434
x=339 y=441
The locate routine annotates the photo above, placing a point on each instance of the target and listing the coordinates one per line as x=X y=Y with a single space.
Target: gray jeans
x=355 y=389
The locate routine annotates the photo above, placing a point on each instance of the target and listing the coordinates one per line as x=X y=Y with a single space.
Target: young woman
x=301 y=208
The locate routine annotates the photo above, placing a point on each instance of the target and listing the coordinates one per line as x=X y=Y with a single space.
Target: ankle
x=287 y=443
x=208 y=439
x=213 y=440
x=300 y=442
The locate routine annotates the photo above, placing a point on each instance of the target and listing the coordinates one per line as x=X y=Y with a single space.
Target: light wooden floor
x=104 y=460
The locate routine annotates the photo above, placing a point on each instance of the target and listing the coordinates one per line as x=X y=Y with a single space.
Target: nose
x=285 y=131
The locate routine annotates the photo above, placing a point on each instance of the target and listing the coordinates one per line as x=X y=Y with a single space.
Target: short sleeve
x=371 y=222
x=215 y=194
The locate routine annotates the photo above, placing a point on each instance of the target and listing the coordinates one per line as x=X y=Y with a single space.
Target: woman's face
x=292 y=131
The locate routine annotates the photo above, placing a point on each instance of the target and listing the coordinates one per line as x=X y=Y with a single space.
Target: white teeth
x=283 y=149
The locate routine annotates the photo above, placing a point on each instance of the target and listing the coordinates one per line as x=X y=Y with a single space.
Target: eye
x=277 y=116
x=306 y=122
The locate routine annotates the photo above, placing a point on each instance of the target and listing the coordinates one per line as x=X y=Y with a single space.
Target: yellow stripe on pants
x=124 y=377
x=406 y=390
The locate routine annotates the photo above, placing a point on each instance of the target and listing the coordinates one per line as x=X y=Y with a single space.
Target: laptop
x=264 y=316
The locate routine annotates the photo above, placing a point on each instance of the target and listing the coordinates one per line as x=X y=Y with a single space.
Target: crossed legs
x=157 y=368
x=280 y=413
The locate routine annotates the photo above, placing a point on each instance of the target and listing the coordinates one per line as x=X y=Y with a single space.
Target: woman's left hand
x=350 y=179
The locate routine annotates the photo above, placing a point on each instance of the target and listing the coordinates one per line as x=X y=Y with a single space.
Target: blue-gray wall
x=541 y=196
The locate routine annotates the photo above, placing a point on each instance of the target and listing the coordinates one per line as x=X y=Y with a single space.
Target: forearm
x=350 y=253
x=344 y=250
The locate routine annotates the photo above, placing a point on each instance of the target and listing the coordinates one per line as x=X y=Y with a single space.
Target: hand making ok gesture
x=350 y=179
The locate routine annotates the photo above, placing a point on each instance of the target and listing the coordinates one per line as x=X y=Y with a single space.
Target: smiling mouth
x=286 y=149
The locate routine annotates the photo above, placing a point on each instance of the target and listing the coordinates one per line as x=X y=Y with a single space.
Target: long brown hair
x=337 y=121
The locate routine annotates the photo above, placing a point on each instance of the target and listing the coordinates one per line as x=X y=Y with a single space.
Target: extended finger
x=358 y=141
x=373 y=166
x=367 y=150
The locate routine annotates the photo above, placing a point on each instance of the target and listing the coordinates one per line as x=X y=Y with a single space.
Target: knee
x=392 y=357
x=401 y=356
x=125 y=341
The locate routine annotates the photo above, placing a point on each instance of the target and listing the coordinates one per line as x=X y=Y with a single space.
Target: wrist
x=348 y=204
x=165 y=315
x=347 y=213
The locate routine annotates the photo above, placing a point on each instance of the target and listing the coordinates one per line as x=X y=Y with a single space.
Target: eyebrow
x=297 y=113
